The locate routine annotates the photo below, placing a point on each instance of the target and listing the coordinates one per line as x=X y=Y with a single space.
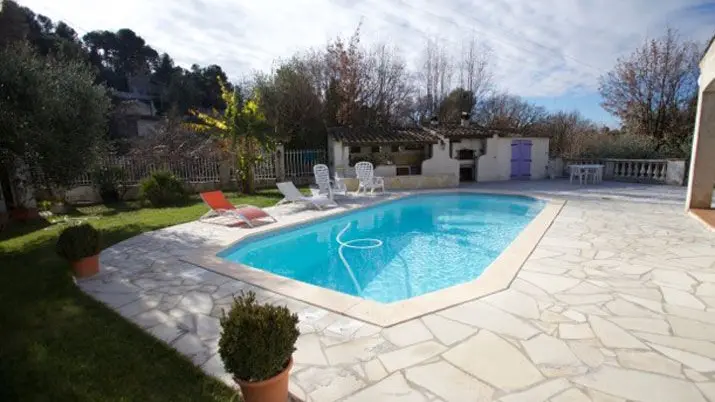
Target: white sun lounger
x=291 y=194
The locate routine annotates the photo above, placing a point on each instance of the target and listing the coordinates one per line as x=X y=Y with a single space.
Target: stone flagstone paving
x=616 y=303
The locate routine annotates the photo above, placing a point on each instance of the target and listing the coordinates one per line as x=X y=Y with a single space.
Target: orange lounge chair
x=221 y=207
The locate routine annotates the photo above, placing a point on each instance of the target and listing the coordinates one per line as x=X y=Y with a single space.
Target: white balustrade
x=637 y=170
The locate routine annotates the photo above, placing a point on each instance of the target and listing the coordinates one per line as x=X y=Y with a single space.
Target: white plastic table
x=583 y=172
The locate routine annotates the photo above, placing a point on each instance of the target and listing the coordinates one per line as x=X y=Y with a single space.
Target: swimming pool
x=395 y=250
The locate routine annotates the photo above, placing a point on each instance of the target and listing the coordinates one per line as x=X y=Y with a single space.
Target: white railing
x=201 y=170
x=134 y=169
x=297 y=166
x=300 y=162
x=265 y=169
x=636 y=170
x=641 y=170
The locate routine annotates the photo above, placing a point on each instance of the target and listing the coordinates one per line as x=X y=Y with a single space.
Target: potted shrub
x=256 y=346
x=79 y=244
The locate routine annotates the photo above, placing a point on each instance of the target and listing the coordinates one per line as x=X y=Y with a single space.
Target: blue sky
x=551 y=52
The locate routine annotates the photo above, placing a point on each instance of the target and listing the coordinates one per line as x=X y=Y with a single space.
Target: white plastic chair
x=366 y=178
x=325 y=185
x=339 y=186
x=291 y=194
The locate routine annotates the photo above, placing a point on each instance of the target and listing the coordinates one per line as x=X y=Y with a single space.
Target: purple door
x=521 y=160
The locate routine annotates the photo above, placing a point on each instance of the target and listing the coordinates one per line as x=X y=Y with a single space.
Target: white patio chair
x=339 y=186
x=325 y=185
x=366 y=178
x=578 y=172
x=292 y=194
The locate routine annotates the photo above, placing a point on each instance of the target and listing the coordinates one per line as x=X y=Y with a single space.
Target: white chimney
x=465 y=119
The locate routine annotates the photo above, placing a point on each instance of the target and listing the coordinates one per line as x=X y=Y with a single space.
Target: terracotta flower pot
x=86 y=267
x=271 y=390
x=24 y=214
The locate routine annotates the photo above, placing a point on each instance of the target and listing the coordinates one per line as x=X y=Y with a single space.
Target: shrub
x=78 y=241
x=162 y=189
x=623 y=146
x=44 y=205
x=110 y=182
x=257 y=340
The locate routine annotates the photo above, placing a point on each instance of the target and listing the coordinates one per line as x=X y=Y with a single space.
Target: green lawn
x=57 y=344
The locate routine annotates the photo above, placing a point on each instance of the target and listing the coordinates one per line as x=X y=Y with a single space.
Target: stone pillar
x=224 y=173
x=702 y=158
x=675 y=172
x=24 y=190
x=609 y=170
x=345 y=163
x=279 y=163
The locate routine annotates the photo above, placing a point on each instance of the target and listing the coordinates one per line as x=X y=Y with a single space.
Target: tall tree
x=387 y=87
x=458 y=101
x=52 y=116
x=346 y=76
x=119 y=56
x=506 y=111
x=475 y=74
x=13 y=23
x=292 y=104
x=652 y=88
x=436 y=75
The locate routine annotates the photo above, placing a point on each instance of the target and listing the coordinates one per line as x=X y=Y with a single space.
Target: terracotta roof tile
x=382 y=135
x=457 y=131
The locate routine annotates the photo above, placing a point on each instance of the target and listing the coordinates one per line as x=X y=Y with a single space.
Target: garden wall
x=412 y=182
x=656 y=171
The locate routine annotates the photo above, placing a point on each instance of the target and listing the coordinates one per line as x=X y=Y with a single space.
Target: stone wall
x=412 y=182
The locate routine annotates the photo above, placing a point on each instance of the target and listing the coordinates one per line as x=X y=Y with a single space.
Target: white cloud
x=540 y=49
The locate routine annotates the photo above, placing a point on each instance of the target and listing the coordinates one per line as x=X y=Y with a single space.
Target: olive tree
x=52 y=115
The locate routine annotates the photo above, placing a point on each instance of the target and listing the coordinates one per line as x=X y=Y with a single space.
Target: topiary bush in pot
x=256 y=345
x=80 y=244
x=162 y=189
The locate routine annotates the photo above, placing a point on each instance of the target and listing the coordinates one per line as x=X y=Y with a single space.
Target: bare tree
x=346 y=76
x=651 y=89
x=172 y=141
x=387 y=86
x=567 y=131
x=475 y=74
x=436 y=74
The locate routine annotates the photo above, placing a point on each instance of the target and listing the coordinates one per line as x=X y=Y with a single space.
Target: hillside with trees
x=652 y=92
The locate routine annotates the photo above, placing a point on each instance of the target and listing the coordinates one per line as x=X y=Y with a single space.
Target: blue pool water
x=395 y=250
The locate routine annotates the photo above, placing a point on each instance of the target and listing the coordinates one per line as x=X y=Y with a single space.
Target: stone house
x=464 y=150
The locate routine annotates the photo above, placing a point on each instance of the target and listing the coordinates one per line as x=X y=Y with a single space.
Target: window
x=354 y=150
x=414 y=147
x=375 y=150
x=402 y=171
x=408 y=170
x=395 y=148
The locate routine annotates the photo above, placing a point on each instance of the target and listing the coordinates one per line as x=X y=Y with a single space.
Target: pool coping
x=495 y=278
